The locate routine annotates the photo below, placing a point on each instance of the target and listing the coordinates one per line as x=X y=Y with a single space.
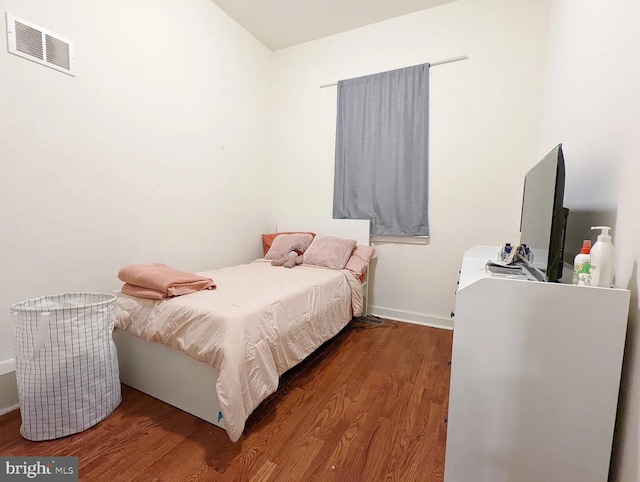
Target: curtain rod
x=432 y=64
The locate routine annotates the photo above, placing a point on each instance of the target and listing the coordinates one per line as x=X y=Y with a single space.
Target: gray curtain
x=381 y=171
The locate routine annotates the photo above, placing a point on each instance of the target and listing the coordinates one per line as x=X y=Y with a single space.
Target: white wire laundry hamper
x=66 y=363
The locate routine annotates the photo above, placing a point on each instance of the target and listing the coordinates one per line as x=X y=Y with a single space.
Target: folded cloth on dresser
x=158 y=281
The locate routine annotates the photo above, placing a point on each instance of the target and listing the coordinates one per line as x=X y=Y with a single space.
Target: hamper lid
x=64 y=301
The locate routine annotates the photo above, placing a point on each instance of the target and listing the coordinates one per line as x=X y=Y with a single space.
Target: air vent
x=35 y=43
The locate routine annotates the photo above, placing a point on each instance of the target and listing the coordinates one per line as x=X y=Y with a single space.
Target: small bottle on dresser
x=582 y=264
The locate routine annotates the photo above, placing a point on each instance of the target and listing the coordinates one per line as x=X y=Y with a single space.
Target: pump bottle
x=602 y=259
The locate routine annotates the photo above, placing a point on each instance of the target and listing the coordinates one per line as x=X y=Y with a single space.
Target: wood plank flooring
x=369 y=405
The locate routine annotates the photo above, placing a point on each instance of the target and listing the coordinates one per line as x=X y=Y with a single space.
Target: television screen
x=543 y=219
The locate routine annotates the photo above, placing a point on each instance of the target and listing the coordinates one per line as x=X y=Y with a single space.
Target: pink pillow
x=284 y=243
x=359 y=260
x=329 y=252
x=267 y=239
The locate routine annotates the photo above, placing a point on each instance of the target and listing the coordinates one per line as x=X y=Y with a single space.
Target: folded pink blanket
x=158 y=281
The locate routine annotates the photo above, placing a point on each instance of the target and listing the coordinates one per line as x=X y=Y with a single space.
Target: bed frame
x=179 y=380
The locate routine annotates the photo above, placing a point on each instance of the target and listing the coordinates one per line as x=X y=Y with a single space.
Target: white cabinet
x=534 y=378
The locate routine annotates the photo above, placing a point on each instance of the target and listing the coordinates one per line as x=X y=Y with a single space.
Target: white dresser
x=534 y=378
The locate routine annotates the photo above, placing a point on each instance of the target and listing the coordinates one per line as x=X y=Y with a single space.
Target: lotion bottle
x=582 y=262
x=602 y=259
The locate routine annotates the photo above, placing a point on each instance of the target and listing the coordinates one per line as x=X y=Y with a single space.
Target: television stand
x=534 y=377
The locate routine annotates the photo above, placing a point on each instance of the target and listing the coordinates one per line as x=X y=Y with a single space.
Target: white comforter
x=259 y=322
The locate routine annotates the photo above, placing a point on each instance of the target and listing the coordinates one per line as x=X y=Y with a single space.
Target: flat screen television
x=543 y=219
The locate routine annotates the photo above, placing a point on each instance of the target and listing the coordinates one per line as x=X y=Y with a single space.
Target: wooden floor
x=368 y=405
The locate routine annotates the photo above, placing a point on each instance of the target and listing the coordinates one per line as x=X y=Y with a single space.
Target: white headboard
x=357 y=229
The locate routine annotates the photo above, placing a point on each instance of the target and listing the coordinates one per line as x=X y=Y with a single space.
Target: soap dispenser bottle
x=602 y=259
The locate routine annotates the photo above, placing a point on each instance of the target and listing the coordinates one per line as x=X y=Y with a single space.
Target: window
x=381 y=170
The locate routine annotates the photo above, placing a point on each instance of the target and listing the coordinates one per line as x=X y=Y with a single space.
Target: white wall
x=592 y=105
x=125 y=162
x=8 y=392
x=485 y=120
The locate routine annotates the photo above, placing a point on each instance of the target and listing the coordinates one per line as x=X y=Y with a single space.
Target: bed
x=217 y=354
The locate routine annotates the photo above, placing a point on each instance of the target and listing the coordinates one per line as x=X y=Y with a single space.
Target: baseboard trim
x=9 y=409
x=7 y=366
x=411 y=317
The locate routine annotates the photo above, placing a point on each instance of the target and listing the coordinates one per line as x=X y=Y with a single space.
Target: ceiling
x=283 y=23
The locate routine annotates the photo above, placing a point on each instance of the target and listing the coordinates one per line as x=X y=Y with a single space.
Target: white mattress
x=259 y=322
